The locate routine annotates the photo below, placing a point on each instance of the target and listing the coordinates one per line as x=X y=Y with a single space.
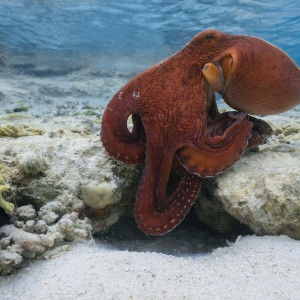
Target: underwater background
x=67 y=57
x=61 y=61
x=131 y=35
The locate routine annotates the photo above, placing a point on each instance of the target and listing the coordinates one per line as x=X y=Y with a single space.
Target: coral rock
x=99 y=195
x=211 y=213
x=40 y=226
x=31 y=163
x=25 y=213
x=263 y=192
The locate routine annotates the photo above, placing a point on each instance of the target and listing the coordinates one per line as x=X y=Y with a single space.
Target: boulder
x=261 y=190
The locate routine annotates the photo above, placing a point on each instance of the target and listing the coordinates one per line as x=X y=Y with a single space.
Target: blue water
x=134 y=34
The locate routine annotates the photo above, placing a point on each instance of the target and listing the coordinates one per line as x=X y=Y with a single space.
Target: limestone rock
x=64 y=186
x=25 y=213
x=263 y=192
x=211 y=213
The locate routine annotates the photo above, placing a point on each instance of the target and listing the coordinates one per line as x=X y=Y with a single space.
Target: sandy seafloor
x=253 y=268
x=250 y=268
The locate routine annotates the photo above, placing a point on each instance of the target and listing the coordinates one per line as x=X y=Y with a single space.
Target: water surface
x=130 y=35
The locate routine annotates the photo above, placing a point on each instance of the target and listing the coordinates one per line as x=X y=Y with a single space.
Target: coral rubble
x=53 y=178
x=64 y=187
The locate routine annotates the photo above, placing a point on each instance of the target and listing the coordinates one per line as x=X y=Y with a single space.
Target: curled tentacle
x=118 y=141
x=260 y=131
x=224 y=143
x=156 y=214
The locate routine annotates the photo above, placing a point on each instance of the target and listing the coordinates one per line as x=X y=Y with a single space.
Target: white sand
x=252 y=268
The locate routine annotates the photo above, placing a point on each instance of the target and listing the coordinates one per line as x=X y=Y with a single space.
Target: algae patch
x=7 y=206
x=14 y=116
x=18 y=131
x=290 y=130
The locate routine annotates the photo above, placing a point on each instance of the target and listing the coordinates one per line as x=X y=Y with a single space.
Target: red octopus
x=176 y=119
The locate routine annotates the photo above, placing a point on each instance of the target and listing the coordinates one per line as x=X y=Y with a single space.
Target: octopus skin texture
x=176 y=120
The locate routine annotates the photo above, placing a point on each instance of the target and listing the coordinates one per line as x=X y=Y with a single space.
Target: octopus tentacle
x=260 y=131
x=222 y=145
x=152 y=216
x=118 y=141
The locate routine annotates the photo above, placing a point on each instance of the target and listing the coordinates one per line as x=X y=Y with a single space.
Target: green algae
x=15 y=116
x=7 y=206
x=19 y=131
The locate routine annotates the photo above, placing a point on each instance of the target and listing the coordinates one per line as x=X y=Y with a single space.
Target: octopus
x=177 y=125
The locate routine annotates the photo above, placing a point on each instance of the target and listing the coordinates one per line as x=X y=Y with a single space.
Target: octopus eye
x=209 y=36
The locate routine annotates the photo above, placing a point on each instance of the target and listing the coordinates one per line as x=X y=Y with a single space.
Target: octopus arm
x=260 y=131
x=118 y=141
x=224 y=142
x=155 y=213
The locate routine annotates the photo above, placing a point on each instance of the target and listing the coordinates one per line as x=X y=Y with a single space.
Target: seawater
x=131 y=35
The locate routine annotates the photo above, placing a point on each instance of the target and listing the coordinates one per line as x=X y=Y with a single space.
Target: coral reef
x=52 y=177
x=64 y=187
x=18 y=244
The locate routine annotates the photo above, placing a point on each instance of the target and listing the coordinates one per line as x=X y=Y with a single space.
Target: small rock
x=98 y=194
x=32 y=163
x=19 y=224
x=50 y=217
x=40 y=226
x=74 y=216
x=49 y=239
x=50 y=212
x=29 y=226
x=5 y=242
x=25 y=213
x=102 y=225
x=67 y=228
x=8 y=260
